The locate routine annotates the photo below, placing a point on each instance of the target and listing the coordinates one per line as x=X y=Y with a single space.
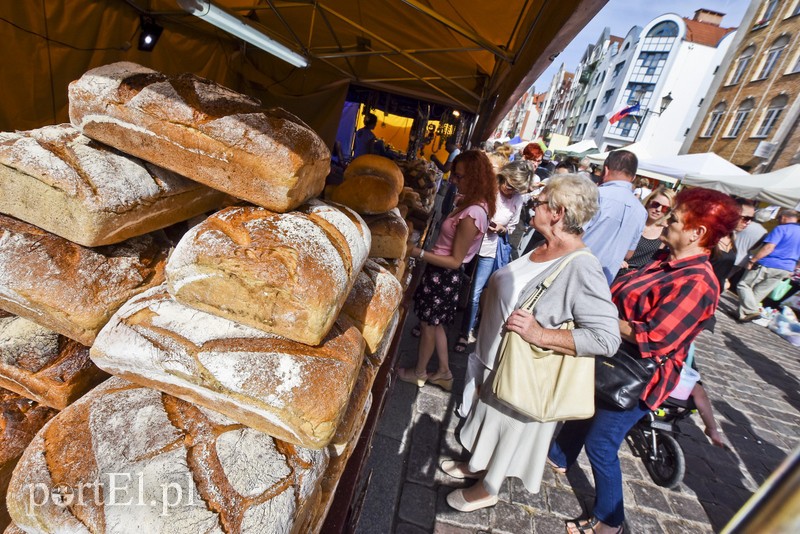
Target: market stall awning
x=581 y=146
x=471 y=56
x=781 y=187
x=706 y=163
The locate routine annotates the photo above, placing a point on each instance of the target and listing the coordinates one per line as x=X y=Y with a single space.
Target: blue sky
x=621 y=15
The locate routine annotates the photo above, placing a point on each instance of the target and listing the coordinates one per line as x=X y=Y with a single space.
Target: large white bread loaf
x=72 y=289
x=20 y=420
x=292 y=391
x=65 y=183
x=372 y=302
x=389 y=235
x=142 y=461
x=44 y=366
x=372 y=184
x=285 y=273
x=203 y=131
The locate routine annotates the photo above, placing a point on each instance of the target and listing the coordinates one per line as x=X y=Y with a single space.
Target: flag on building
x=616 y=117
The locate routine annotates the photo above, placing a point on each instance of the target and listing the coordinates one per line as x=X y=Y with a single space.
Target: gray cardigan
x=581 y=294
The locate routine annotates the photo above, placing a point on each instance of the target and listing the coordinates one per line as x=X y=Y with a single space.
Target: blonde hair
x=664 y=192
x=504 y=150
x=576 y=195
x=517 y=174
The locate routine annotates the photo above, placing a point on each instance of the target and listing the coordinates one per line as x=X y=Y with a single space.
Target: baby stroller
x=652 y=440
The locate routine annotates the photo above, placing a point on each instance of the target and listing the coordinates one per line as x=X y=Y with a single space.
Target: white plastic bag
x=786 y=325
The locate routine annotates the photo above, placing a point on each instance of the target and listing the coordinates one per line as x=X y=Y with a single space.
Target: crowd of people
x=643 y=270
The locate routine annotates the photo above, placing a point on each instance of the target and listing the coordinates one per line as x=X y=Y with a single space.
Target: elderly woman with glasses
x=662 y=308
x=658 y=205
x=503 y=442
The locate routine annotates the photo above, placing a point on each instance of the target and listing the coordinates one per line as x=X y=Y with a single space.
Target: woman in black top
x=658 y=205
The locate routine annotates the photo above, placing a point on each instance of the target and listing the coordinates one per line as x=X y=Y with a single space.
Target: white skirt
x=506 y=444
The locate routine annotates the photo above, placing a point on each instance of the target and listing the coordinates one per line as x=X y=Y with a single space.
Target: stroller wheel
x=669 y=465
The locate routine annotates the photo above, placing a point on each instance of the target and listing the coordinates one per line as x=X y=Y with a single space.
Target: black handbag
x=620 y=380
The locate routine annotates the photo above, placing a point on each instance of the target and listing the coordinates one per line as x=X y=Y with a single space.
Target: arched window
x=741 y=65
x=714 y=119
x=664 y=29
x=772 y=56
x=771 y=115
x=742 y=112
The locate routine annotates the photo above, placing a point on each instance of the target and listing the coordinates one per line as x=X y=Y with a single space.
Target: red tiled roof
x=704 y=33
x=615 y=39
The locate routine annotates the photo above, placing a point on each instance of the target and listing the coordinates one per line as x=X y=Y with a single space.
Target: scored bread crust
x=232 y=478
x=389 y=235
x=372 y=302
x=44 y=366
x=292 y=391
x=203 y=131
x=65 y=183
x=68 y=288
x=287 y=274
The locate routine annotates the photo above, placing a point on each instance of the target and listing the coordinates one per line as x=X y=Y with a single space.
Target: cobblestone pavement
x=751 y=376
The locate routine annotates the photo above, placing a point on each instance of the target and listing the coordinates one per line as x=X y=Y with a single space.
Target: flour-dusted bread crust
x=20 y=420
x=65 y=183
x=372 y=184
x=181 y=468
x=203 y=131
x=288 y=274
x=389 y=235
x=44 y=366
x=292 y=391
x=372 y=302
x=72 y=289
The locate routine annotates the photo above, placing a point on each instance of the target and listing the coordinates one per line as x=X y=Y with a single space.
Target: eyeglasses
x=535 y=203
x=663 y=208
x=747 y=218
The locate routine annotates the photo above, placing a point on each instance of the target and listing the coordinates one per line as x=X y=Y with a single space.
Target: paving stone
x=564 y=503
x=444 y=528
x=718 y=514
x=639 y=522
x=418 y=505
x=407 y=528
x=423 y=455
x=674 y=526
x=385 y=470
x=398 y=411
x=686 y=508
x=432 y=405
x=510 y=519
x=648 y=496
x=535 y=501
x=548 y=524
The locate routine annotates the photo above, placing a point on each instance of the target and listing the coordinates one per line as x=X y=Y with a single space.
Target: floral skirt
x=436 y=297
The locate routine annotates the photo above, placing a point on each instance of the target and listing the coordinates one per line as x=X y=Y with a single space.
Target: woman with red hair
x=459 y=240
x=662 y=307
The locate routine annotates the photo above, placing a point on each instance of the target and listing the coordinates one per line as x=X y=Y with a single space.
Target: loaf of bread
x=397 y=267
x=372 y=184
x=389 y=235
x=203 y=131
x=131 y=459
x=377 y=357
x=72 y=289
x=65 y=183
x=292 y=391
x=20 y=420
x=372 y=302
x=13 y=529
x=288 y=274
x=44 y=366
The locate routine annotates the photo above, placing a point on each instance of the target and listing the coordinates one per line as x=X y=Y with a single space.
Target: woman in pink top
x=459 y=240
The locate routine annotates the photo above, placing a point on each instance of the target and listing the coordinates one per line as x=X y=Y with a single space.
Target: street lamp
x=665 y=102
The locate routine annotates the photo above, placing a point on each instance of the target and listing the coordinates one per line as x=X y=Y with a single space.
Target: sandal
x=588 y=526
x=416 y=331
x=408 y=374
x=461 y=345
x=446 y=383
x=557 y=468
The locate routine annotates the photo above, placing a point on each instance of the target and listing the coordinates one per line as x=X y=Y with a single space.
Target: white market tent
x=580 y=146
x=781 y=187
x=643 y=154
x=706 y=163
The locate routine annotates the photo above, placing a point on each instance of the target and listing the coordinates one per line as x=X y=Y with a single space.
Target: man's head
x=370 y=120
x=748 y=208
x=584 y=164
x=450 y=145
x=620 y=165
x=788 y=216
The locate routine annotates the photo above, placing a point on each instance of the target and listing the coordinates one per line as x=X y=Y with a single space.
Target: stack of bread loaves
x=240 y=359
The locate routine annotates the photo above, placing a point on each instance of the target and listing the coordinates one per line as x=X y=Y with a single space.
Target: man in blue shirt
x=365 y=137
x=614 y=232
x=774 y=261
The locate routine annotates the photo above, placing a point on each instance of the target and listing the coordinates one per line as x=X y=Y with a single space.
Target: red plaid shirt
x=666 y=303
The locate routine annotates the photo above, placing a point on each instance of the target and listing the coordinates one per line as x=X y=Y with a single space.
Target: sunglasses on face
x=663 y=208
x=747 y=218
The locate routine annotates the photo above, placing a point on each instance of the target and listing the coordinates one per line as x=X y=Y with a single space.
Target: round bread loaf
x=372 y=184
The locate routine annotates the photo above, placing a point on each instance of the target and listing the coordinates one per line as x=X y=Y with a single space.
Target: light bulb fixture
x=456 y=113
x=240 y=28
x=149 y=32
